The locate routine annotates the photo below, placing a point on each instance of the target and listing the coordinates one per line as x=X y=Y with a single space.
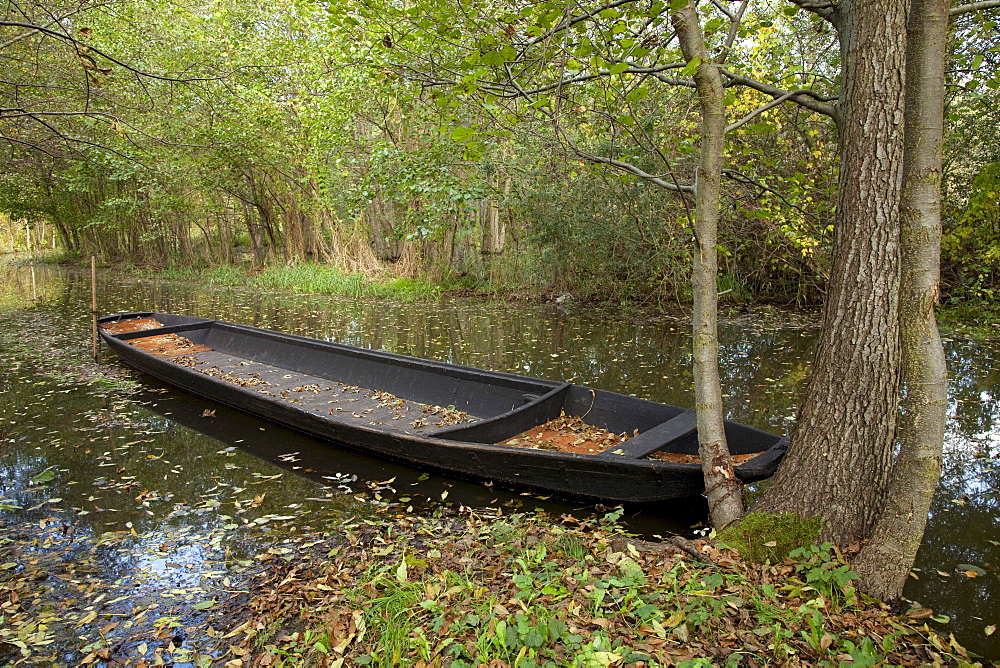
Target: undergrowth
x=975 y=319
x=533 y=591
x=310 y=279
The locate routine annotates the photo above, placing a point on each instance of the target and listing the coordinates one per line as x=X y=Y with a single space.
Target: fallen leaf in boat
x=567 y=434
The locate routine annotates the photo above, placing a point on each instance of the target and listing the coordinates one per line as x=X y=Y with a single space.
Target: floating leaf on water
x=971 y=570
x=45 y=476
x=204 y=605
x=920 y=613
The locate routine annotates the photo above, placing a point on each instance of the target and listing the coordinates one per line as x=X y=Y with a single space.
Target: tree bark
x=885 y=560
x=723 y=489
x=842 y=447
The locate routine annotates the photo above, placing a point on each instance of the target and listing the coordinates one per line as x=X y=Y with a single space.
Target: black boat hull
x=508 y=403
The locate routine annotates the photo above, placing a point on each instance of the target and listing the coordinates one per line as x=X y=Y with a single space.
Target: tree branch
x=77 y=44
x=821 y=8
x=760 y=110
x=743 y=179
x=572 y=22
x=974 y=7
x=29 y=33
x=619 y=164
x=624 y=166
x=734 y=27
x=808 y=99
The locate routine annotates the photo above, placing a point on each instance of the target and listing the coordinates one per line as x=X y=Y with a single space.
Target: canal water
x=128 y=509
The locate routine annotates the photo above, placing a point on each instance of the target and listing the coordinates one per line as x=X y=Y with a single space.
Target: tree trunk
x=841 y=452
x=723 y=489
x=249 y=216
x=885 y=560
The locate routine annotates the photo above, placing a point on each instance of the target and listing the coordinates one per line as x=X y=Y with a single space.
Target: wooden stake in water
x=93 y=302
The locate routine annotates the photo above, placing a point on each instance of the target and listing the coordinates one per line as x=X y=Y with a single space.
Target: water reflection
x=161 y=465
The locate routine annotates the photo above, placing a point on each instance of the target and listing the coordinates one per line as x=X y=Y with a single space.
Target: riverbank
x=980 y=321
x=480 y=588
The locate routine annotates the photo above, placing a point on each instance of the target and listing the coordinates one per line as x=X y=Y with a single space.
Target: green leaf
x=713 y=26
x=691 y=67
x=971 y=568
x=618 y=69
x=462 y=135
x=493 y=58
x=204 y=605
x=45 y=476
x=637 y=94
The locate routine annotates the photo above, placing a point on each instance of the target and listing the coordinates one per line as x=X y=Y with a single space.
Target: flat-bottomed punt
x=464 y=421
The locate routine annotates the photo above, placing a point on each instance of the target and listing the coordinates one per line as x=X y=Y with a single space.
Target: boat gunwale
x=368 y=354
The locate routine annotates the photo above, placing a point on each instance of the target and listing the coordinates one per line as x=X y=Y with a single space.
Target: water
x=152 y=496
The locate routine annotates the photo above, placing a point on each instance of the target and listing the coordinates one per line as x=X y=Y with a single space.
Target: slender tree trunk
x=885 y=560
x=249 y=216
x=723 y=489
x=841 y=452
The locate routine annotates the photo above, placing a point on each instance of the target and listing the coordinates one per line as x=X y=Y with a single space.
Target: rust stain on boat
x=162 y=345
x=134 y=325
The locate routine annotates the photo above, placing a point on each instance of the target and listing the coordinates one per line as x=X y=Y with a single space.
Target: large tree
x=841 y=451
x=871 y=477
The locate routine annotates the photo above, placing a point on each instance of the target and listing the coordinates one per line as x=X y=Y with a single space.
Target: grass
x=976 y=319
x=38 y=257
x=309 y=279
x=530 y=590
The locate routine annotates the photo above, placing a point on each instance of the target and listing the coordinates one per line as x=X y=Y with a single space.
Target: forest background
x=370 y=139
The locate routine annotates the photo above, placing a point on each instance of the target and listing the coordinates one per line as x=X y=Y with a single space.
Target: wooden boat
x=465 y=421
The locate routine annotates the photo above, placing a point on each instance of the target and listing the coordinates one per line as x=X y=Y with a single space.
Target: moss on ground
x=770 y=537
